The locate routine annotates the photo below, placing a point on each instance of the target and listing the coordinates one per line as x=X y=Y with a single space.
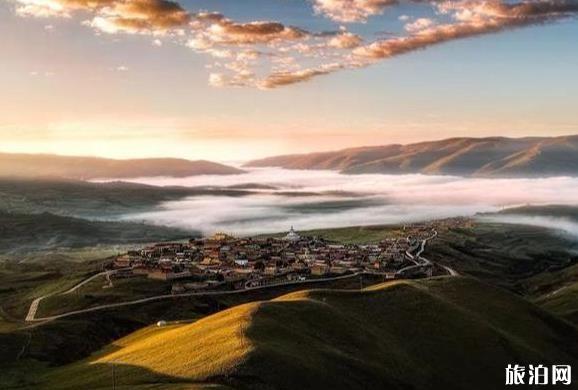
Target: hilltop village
x=226 y=262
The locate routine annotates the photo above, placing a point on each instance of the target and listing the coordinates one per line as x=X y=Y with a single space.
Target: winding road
x=31 y=316
x=194 y=294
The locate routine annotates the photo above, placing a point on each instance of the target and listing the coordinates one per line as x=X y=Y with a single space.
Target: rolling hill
x=92 y=200
x=552 y=211
x=21 y=233
x=485 y=157
x=451 y=333
x=86 y=168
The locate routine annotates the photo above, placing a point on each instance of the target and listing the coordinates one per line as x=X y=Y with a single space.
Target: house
x=242 y=262
x=320 y=269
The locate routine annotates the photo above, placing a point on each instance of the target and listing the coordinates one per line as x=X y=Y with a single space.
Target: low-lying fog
x=322 y=199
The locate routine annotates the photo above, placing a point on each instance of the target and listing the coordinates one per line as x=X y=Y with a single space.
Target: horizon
x=203 y=79
x=240 y=162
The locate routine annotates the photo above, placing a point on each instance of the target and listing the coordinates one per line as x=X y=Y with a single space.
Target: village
x=223 y=262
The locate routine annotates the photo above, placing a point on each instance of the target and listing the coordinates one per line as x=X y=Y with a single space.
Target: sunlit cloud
x=269 y=54
x=348 y=11
x=345 y=40
x=419 y=25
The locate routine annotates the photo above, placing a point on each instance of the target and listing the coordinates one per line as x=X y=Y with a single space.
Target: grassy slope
x=355 y=234
x=25 y=232
x=22 y=282
x=398 y=335
x=93 y=294
x=503 y=254
x=557 y=292
x=555 y=211
x=73 y=338
x=532 y=261
x=92 y=200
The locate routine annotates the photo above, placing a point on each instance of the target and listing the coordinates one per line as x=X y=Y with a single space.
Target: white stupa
x=292 y=235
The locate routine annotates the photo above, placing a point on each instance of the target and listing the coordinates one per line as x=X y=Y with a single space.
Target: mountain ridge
x=86 y=168
x=460 y=156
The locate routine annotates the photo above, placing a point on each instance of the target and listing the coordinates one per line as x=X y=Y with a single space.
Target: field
x=262 y=344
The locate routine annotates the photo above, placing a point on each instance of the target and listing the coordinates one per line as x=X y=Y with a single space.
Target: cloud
x=348 y=11
x=369 y=199
x=41 y=9
x=280 y=79
x=47 y=74
x=141 y=16
x=269 y=54
x=345 y=40
x=228 y=32
x=472 y=18
x=419 y=25
x=57 y=8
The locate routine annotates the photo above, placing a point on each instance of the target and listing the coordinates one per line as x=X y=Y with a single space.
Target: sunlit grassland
x=396 y=335
x=190 y=353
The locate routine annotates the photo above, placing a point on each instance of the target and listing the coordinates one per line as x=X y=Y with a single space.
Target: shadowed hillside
x=494 y=157
x=553 y=211
x=450 y=333
x=85 y=168
x=25 y=232
x=92 y=200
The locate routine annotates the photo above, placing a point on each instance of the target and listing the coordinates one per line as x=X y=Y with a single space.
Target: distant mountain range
x=492 y=157
x=85 y=168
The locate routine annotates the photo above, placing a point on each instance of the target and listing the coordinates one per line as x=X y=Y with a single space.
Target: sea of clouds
x=325 y=199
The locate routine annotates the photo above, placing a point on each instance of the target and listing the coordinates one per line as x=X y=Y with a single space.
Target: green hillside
x=92 y=200
x=556 y=292
x=25 y=232
x=554 y=211
x=450 y=333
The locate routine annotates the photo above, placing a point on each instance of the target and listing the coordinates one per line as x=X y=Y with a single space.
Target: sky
x=230 y=80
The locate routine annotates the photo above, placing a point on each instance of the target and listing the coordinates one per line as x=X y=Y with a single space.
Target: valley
x=530 y=262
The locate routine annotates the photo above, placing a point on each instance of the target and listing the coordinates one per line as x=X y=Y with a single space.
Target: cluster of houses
x=241 y=262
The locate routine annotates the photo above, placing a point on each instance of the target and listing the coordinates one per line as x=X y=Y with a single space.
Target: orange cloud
x=141 y=16
x=269 y=54
x=348 y=11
